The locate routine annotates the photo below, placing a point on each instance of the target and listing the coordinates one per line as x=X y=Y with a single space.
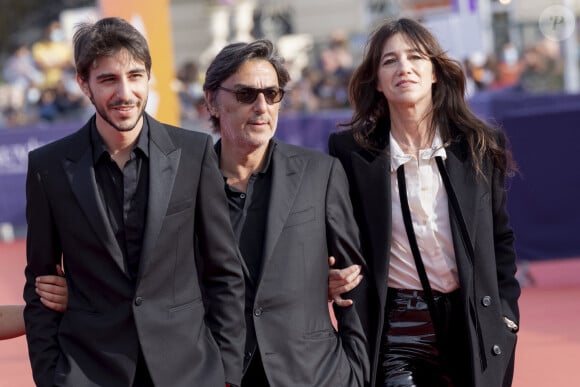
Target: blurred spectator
x=20 y=69
x=22 y=79
x=189 y=91
x=301 y=95
x=70 y=102
x=189 y=88
x=543 y=69
x=331 y=92
x=12 y=104
x=47 y=107
x=481 y=69
x=336 y=63
x=337 y=58
x=62 y=103
x=509 y=68
x=52 y=54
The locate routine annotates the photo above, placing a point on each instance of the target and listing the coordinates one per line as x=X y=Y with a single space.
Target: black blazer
x=488 y=285
x=310 y=217
x=184 y=311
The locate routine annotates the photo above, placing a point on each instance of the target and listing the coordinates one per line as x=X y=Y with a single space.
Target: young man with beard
x=136 y=211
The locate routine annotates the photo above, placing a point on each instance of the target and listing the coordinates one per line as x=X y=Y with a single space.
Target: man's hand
x=53 y=291
x=341 y=281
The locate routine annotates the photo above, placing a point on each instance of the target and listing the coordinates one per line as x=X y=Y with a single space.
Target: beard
x=123 y=126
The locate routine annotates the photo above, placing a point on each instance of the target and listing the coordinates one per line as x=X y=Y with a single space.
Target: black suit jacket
x=185 y=309
x=309 y=218
x=488 y=286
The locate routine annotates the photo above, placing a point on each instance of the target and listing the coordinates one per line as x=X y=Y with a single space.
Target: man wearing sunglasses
x=290 y=210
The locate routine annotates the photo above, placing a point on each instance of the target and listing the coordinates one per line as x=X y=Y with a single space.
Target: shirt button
x=258 y=312
x=486 y=301
x=138 y=301
x=243 y=196
x=496 y=350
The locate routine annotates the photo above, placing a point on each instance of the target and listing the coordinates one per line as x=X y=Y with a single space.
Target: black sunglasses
x=249 y=94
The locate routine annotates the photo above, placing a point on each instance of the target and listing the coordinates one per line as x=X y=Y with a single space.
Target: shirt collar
x=98 y=145
x=271 y=145
x=143 y=140
x=398 y=157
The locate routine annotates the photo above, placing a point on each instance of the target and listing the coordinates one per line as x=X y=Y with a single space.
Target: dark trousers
x=255 y=376
x=412 y=355
x=142 y=376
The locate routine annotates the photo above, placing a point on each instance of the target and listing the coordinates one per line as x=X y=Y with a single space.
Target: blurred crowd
x=538 y=69
x=320 y=84
x=38 y=80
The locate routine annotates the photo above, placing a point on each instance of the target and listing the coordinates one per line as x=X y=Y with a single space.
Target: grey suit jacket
x=310 y=217
x=184 y=311
x=489 y=288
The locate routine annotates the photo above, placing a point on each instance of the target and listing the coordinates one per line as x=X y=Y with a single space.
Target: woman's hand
x=53 y=291
x=341 y=281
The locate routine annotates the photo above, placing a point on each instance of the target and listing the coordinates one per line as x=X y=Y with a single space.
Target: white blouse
x=430 y=214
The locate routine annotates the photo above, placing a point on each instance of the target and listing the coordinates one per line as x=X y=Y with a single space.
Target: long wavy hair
x=450 y=112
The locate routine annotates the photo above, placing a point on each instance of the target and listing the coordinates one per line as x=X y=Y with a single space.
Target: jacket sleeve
x=43 y=252
x=222 y=276
x=344 y=245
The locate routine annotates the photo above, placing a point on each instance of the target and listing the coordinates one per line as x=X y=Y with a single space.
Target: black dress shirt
x=249 y=213
x=124 y=194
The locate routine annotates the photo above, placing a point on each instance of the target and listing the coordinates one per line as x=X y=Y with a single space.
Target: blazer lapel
x=372 y=175
x=78 y=166
x=164 y=159
x=466 y=187
x=287 y=172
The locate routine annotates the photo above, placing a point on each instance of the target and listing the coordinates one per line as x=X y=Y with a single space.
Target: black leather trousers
x=411 y=354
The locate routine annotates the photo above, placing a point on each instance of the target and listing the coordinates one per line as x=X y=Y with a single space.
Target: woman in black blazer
x=427 y=184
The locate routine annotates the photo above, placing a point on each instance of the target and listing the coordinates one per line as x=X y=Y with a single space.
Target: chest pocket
x=300 y=217
x=178 y=207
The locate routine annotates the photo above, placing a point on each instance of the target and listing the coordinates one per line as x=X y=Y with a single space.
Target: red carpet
x=14 y=365
x=549 y=340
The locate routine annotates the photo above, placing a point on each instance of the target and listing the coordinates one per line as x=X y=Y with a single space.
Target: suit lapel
x=287 y=172
x=372 y=174
x=78 y=166
x=466 y=188
x=164 y=159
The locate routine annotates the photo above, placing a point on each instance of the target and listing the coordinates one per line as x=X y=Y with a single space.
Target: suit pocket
x=185 y=306
x=179 y=206
x=323 y=334
x=300 y=217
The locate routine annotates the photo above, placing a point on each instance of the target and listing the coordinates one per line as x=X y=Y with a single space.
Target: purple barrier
x=542 y=199
x=543 y=196
x=312 y=129
x=543 y=131
x=15 y=143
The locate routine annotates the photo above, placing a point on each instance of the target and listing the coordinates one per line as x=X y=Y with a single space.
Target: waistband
x=419 y=294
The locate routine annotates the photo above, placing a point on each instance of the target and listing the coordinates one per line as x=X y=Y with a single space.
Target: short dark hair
x=233 y=56
x=106 y=37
